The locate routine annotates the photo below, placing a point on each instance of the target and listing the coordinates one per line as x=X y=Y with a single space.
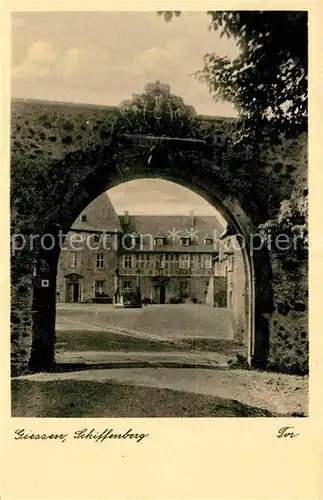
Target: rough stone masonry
x=64 y=155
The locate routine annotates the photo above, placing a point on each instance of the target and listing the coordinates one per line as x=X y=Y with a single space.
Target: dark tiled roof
x=173 y=228
x=100 y=216
x=80 y=226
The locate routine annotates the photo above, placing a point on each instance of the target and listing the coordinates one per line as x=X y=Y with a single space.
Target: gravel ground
x=275 y=393
x=154 y=321
x=66 y=398
x=139 y=373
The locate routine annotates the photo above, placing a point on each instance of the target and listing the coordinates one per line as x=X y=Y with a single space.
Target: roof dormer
x=186 y=241
x=159 y=239
x=135 y=238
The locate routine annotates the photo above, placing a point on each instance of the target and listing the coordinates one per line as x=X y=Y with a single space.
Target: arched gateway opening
x=183 y=161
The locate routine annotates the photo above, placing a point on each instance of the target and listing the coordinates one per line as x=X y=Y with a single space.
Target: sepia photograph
x=159 y=214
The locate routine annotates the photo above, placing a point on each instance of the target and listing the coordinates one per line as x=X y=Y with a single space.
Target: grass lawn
x=221 y=346
x=70 y=398
x=82 y=340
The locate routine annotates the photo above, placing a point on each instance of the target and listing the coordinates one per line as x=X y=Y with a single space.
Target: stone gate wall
x=48 y=141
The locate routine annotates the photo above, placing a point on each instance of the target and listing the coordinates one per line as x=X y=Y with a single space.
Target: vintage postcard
x=163 y=169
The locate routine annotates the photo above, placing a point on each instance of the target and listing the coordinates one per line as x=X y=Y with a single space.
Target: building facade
x=89 y=256
x=228 y=285
x=169 y=258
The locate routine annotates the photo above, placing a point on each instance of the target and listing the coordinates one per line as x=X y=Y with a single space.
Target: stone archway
x=185 y=162
x=64 y=155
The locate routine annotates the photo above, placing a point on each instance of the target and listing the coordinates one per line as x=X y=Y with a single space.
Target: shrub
x=146 y=301
x=175 y=300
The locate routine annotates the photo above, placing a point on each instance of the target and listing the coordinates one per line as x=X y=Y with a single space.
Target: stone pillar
x=116 y=286
x=116 y=282
x=118 y=296
x=138 y=292
x=44 y=308
x=21 y=322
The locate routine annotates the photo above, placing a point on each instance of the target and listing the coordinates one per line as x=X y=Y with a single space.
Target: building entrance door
x=160 y=294
x=73 y=292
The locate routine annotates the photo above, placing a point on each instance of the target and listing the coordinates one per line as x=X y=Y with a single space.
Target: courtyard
x=185 y=333
x=158 y=361
x=166 y=321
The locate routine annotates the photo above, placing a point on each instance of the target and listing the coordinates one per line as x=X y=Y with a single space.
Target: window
x=159 y=262
x=185 y=241
x=142 y=257
x=231 y=263
x=75 y=259
x=208 y=261
x=127 y=261
x=184 y=261
x=99 y=288
x=84 y=218
x=142 y=260
x=184 y=286
x=208 y=241
x=159 y=242
x=139 y=260
x=100 y=261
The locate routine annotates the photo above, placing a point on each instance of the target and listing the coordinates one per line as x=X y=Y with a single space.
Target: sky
x=159 y=197
x=104 y=57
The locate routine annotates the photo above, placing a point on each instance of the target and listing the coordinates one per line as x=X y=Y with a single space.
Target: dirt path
x=278 y=394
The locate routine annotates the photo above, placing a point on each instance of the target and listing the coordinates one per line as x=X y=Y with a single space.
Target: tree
x=267 y=81
x=157 y=112
x=291 y=221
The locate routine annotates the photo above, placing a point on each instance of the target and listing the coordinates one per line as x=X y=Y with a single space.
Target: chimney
x=191 y=219
x=126 y=217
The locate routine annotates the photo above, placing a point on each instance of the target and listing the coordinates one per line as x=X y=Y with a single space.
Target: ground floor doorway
x=73 y=288
x=73 y=292
x=159 y=294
